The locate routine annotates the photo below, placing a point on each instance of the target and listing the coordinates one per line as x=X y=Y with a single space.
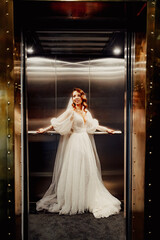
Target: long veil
x=69 y=106
x=50 y=196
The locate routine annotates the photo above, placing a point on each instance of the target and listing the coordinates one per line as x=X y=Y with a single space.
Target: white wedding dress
x=77 y=184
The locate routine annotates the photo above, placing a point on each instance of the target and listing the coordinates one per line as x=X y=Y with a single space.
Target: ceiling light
x=30 y=50
x=116 y=51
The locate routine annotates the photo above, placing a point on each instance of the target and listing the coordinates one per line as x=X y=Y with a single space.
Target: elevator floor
x=49 y=226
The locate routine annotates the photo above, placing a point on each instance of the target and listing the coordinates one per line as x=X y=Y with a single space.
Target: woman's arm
x=105 y=129
x=43 y=130
x=59 y=124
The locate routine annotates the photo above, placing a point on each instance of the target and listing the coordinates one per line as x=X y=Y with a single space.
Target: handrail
x=54 y=132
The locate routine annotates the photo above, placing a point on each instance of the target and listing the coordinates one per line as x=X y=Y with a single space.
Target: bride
x=77 y=184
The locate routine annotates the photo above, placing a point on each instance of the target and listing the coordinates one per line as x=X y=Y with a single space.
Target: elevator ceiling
x=77 y=29
x=76 y=43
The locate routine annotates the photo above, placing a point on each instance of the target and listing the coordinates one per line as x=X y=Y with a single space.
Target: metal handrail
x=54 y=132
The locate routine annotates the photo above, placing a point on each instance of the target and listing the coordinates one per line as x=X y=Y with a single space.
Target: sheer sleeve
x=102 y=128
x=63 y=123
x=91 y=123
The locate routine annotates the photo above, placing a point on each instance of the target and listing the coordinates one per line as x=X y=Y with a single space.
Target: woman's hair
x=83 y=97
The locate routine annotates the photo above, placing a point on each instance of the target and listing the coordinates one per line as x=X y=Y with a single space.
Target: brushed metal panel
x=104 y=86
x=41 y=78
x=138 y=136
x=70 y=75
x=41 y=92
x=107 y=83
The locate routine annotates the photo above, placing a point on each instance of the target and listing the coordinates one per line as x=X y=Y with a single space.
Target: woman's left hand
x=110 y=131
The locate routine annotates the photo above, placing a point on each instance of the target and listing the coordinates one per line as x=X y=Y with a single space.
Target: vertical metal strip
x=128 y=136
x=89 y=84
x=24 y=117
x=56 y=94
x=22 y=134
x=138 y=134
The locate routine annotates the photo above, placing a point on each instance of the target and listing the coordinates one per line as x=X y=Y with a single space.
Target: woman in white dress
x=77 y=184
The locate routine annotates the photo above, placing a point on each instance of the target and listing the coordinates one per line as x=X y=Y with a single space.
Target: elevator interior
x=57 y=61
x=72 y=45
x=50 y=83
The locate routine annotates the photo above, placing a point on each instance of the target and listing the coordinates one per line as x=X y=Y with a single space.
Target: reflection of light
x=116 y=51
x=98 y=62
x=104 y=69
x=140 y=69
x=30 y=50
x=75 y=69
x=140 y=62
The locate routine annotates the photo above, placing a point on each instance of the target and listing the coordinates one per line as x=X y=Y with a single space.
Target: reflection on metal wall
x=138 y=136
x=17 y=141
x=107 y=83
x=50 y=83
x=17 y=126
x=152 y=110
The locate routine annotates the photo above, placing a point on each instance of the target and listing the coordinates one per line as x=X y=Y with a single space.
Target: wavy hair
x=83 y=97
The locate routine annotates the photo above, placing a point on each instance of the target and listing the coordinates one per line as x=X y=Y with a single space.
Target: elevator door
x=49 y=86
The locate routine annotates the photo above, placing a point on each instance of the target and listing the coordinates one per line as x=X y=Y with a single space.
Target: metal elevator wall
x=49 y=85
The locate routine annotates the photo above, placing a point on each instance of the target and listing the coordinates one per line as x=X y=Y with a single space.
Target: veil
x=50 y=196
x=69 y=106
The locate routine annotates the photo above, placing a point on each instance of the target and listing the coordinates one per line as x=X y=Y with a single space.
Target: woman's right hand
x=41 y=130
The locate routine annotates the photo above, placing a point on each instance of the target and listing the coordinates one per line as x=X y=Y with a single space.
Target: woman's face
x=77 y=98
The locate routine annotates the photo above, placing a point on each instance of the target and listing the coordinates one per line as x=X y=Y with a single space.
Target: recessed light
x=116 y=51
x=30 y=50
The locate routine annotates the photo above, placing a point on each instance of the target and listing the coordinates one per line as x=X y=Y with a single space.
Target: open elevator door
x=98 y=19
x=50 y=82
x=65 y=55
